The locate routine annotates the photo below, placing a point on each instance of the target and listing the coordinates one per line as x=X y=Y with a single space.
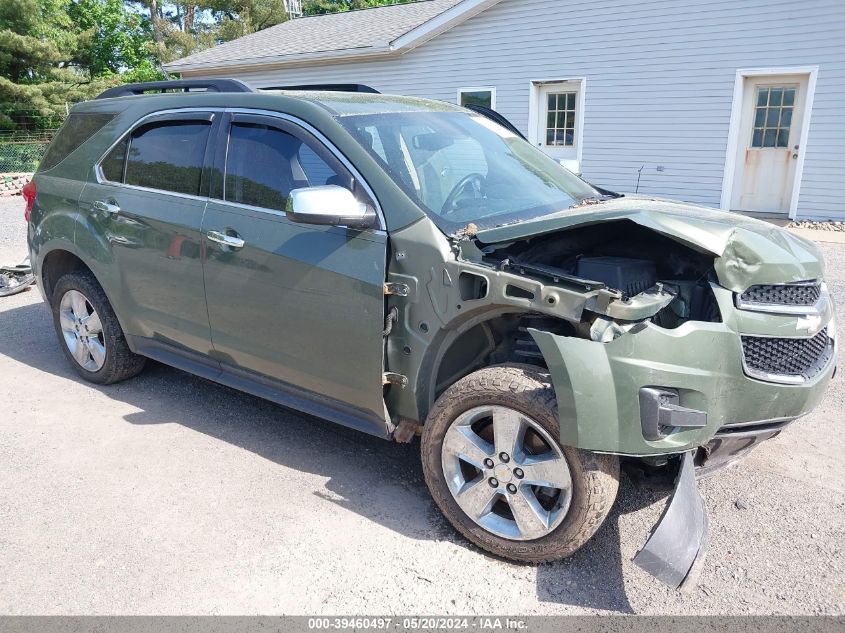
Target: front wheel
x=495 y=467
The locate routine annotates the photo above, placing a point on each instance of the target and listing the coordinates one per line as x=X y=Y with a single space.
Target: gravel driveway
x=170 y=494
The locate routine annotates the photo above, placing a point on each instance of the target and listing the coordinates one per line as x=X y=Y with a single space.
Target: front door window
x=265 y=163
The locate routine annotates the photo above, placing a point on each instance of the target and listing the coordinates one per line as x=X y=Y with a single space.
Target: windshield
x=463 y=168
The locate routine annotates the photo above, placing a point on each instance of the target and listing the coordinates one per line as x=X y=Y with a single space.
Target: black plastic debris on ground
x=15 y=279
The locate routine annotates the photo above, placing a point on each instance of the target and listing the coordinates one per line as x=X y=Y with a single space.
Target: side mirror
x=329 y=204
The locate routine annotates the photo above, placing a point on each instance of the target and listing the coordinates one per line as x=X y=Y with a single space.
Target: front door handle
x=109 y=208
x=226 y=240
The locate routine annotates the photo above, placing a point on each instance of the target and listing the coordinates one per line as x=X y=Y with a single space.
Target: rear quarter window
x=78 y=128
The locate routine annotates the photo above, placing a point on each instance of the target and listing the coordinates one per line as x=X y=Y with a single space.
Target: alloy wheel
x=506 y=472
x=82 y=331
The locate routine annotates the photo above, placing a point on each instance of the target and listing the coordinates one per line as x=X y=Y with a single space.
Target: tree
x=56 y=52
x=236 y=18
x=113 y=40
x=35 y=46
x=318 y=7
x=180 y=28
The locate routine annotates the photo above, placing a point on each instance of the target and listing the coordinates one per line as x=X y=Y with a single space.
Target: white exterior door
x=769 y=143
x=557 y=126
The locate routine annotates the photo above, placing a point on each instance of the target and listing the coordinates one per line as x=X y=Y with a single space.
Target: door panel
x=149 y=210
x=155 y=244
x=770 y=130
x=300 y=304
x=296 y=303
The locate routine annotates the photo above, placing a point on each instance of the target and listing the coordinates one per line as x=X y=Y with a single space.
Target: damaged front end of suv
x=688 y=322
x=549 y=325
x=675 y=336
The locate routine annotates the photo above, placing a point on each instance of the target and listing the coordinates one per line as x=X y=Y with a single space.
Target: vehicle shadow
x=592 y=578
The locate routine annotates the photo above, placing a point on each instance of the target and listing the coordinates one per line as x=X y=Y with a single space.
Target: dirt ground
x=168 y=494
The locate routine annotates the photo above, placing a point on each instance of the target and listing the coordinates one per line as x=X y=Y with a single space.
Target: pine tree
x=54 y=53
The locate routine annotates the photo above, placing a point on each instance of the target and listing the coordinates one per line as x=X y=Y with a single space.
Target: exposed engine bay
x=645 y=275
x=596 y=282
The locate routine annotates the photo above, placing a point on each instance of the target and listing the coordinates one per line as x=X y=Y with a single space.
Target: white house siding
x=659 y=81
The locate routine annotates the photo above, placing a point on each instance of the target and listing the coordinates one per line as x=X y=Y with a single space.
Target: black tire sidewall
x=115 y=367
x=594 y=477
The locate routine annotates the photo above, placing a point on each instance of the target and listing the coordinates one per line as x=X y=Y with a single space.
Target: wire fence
x=20 y=152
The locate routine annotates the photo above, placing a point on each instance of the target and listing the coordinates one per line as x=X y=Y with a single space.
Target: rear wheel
x=496 y=469
x=89 y=332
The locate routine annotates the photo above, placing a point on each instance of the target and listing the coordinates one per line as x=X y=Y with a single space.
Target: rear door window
x=113 y=164
x=168 y=155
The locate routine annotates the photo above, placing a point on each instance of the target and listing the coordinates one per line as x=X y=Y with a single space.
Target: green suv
x=408 y=267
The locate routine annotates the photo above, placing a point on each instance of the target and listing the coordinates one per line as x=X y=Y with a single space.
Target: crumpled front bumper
x=598 y=384
x=693 y=378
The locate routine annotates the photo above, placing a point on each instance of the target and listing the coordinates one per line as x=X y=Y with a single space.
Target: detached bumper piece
x=15 y=279
x=678 y=543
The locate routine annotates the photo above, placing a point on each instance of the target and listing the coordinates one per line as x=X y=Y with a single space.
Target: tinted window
x=112 y=165
x=78 y=128
x=316 y=170
x=263 y=165
x=168 y=156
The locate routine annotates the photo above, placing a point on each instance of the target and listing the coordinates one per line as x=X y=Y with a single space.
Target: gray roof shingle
x=362 y=29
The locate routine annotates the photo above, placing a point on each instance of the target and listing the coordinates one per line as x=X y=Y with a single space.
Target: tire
x=113 y=361
x=522 y=392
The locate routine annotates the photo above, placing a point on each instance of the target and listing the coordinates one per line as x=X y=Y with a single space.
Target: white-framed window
x=483 y=96
x=561 y=108
x=556 y=118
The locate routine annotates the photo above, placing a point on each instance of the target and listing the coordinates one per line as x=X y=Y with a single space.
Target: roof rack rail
x=328 y=88
x=184 y=85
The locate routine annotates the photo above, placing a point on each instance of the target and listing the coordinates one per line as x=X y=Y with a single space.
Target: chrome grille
x=803 y=294
x=800 y=357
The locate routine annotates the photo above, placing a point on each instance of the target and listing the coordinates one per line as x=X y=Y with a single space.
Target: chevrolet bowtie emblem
x=808 y=323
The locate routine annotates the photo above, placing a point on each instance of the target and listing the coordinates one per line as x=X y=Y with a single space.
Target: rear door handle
x=109 y=208
x=226 y=240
